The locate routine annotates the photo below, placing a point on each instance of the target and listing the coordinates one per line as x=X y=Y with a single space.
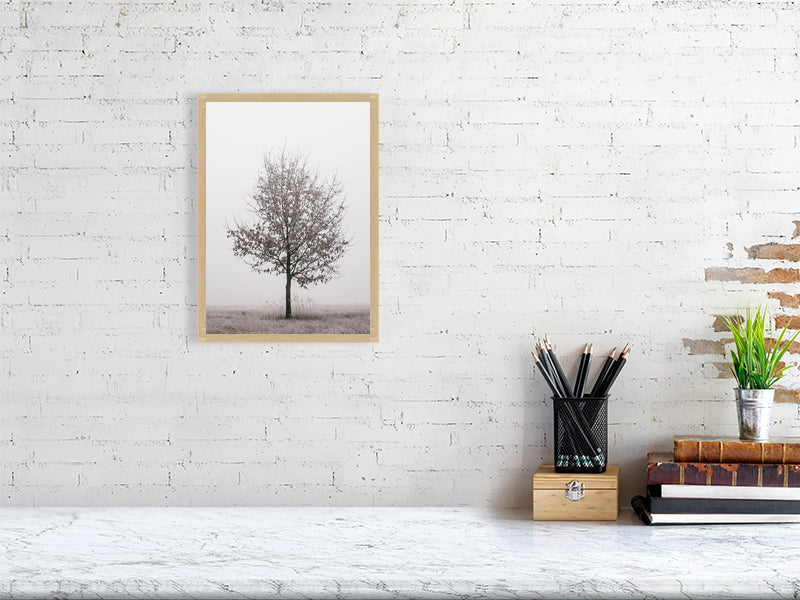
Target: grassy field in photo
x=306 y=318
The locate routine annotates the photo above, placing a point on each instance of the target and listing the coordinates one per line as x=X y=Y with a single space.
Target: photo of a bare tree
x=287 y=247
x=298 y=228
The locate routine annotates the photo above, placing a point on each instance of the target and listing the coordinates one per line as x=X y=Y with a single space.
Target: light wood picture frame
x=287 y=218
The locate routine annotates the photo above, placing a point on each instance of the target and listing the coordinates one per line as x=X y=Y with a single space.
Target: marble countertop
x=383 y=553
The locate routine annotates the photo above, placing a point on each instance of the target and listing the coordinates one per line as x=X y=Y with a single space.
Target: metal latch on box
x=573 y=490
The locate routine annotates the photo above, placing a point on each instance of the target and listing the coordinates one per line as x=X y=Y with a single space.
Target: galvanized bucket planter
x=754 y=409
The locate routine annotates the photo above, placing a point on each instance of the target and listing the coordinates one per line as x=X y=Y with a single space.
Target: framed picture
x=287 y=217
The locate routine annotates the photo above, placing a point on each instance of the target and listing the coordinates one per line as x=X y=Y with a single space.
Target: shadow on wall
x=189 y=184
x=517 y=491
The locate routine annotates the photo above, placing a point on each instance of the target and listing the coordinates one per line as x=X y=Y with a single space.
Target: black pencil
x=602 y=375
x=547 y=360
x=583 y=370
x=614 y=373
x=582 y=439
x=604 y=386
x=559 y=370
x=581 y=363
x=570 y=451
x=547 y=363
x=576 y=440
x=577 y=455
x=540 y=355
x=545 y=374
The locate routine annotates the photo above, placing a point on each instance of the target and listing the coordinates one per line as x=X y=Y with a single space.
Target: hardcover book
x=640 y=505
x=740 y=492
x=721 y=506
x=663 y=469
x=690 y=448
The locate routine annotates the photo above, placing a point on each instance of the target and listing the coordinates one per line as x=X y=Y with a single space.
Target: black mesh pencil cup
x=581 y=434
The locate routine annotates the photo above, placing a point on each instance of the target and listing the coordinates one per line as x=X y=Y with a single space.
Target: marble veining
x=383 y=553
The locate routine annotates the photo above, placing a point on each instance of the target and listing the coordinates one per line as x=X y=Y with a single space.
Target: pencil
x=577 y=455
x=568 y=452
x=579 y=373
x=614 y=373
x=601 y=376
x=545 y=374
x=540 y=353
x=583 y=370
x=577 y=446
x=559 y=370
x=547 y=359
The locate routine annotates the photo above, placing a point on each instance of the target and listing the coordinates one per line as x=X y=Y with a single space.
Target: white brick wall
x=564 y=167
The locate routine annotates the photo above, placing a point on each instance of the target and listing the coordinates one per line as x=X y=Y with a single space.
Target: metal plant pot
x=754 y=408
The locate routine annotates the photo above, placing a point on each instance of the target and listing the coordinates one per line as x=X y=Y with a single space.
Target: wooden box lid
x=547 y=479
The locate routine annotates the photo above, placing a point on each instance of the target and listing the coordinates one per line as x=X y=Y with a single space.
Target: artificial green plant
x=755 y=362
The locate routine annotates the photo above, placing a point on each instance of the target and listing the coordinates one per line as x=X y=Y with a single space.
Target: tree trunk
x=288 y=296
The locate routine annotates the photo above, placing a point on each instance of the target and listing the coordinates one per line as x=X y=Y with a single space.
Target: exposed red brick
x=705 y=346
x=752 y=275
x=794 y=347
x=796 y=233
x=788 y=321
x=783 y=395
x=723 y=370
x=775 y=252
x=719 y=322
x=786 y=300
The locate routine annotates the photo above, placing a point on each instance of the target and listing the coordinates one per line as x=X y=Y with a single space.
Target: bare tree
x=298 y=228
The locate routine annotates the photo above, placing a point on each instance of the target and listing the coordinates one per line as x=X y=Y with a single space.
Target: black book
x=641 y=506
x=732 y=492
x=710 y=506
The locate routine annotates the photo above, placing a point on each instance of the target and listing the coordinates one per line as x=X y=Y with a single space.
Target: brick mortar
x=563 y=168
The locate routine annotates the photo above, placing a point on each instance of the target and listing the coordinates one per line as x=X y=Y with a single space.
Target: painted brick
x=599 y=173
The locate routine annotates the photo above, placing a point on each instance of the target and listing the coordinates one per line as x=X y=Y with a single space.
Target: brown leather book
x=663 y=469
x=695 y=448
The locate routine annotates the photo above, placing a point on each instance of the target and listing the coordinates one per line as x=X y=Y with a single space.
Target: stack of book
x=722 y=480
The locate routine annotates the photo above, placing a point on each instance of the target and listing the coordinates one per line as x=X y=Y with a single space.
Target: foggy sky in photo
x=335 y=138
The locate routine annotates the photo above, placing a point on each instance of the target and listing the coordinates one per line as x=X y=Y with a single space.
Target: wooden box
x=575 y=496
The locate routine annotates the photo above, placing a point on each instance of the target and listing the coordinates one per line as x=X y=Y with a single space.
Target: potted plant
x=755 y=366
